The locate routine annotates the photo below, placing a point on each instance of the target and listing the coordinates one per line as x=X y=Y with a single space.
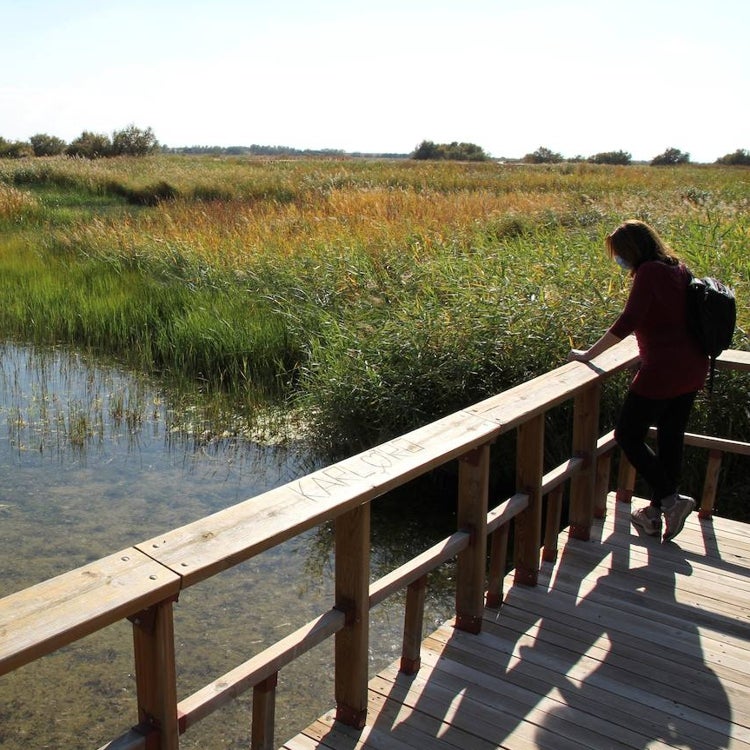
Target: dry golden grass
x=248 y=209
x=15 y=203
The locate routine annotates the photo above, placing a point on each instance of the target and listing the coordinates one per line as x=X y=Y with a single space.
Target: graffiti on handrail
x=323 y=484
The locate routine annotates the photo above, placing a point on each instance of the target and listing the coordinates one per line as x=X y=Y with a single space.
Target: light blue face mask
x=622 y=263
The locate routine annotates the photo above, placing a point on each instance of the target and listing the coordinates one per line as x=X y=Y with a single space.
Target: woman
x=672 y=370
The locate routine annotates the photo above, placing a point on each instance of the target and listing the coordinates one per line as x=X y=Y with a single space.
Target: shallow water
x=94 y=459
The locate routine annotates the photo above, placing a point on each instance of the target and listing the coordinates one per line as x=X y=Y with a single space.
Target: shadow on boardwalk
x=611 y=650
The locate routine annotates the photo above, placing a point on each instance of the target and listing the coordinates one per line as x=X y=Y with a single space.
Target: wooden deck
x=625 y=643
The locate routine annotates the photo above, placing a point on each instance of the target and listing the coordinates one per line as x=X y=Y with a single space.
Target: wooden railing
x=142 y=583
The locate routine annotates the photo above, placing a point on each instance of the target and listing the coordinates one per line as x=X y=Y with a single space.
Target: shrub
x=90 y=145
x=47 y=145
x=543 y=156
x=670 y=157
x=133 y=141
x=15 y=149
x=451 y=151
x=740 y=157
x=611 y=157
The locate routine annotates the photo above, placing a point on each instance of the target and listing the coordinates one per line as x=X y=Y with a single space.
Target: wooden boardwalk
x=625 y=643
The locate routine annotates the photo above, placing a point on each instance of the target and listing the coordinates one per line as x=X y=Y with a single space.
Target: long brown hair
x=636 y=242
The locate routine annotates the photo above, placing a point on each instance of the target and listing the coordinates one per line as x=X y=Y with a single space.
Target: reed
x=371 y=295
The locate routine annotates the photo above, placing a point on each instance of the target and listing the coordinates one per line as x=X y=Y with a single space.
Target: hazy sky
x=577 y=76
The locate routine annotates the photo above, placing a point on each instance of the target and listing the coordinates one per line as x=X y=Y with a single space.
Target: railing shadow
x=601 y=653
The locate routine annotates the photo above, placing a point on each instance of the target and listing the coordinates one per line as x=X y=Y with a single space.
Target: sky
x=579 y=77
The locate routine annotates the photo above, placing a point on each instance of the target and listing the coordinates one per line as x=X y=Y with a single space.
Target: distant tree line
x=134 y=141
x=253 y=150
x=130 y=141
x=671 y=156
x=545 y=155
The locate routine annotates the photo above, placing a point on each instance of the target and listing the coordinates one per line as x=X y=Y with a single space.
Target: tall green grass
x=217 y=336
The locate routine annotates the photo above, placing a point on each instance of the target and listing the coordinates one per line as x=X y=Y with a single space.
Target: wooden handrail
x=142 y=582
x=40 y=619
x=733 y=359
x=262 y=666
x=417 y=567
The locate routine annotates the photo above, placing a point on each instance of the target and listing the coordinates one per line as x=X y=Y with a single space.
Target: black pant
x=661 y=470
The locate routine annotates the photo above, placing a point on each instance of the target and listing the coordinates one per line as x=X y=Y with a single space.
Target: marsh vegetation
x=364 y=297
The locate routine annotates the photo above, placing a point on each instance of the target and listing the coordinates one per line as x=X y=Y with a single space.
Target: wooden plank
x=224 y=539
x=728 y=613
x=506 y=511
x=718 y=444
x=528 y=524
x=536 y=704
x=560 y=474
x=417 y=567
x=258 y=668
x=473 y=484
x=601 y=485
x=628 y=613
x=264 y=714
x=583 y=483
x=581 y=682
x=416 y=729
x=340 y=737
x=712 y=443
x=413 y=626
x=733 y=359
x=219 y=541
x=625 y=479
x=446 y=716
x=498 y=563
x=51 y=614
x=472 y=708
x=606 y=443
x=352 y=575
x=552 y=524
x=156 y=674
x=533 y=397
x=667 y=666
x=561 y=665
x=710 y=484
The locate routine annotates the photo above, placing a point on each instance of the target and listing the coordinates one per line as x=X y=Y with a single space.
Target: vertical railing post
x=603 y=471
x=528 y=524
x=413 y=625
x=552 y=525
x=710 y=484
x=352 y=597
x=583 y=483
x=498 y=562
x=155 y=674
x=625 y=480
x=473 y=489
x=264 y=714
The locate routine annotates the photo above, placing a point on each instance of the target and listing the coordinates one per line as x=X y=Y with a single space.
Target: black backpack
x=712 y=316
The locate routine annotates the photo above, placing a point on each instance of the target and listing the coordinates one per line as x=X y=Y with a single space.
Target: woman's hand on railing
x=579 y=355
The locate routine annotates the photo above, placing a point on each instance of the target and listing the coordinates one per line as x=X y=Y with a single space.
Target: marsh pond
x=94 y=459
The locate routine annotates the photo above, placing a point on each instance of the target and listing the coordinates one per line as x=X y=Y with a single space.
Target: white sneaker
x=647 y=519
x=675 y=514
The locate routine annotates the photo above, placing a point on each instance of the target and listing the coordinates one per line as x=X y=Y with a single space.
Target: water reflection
x=94 y=459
